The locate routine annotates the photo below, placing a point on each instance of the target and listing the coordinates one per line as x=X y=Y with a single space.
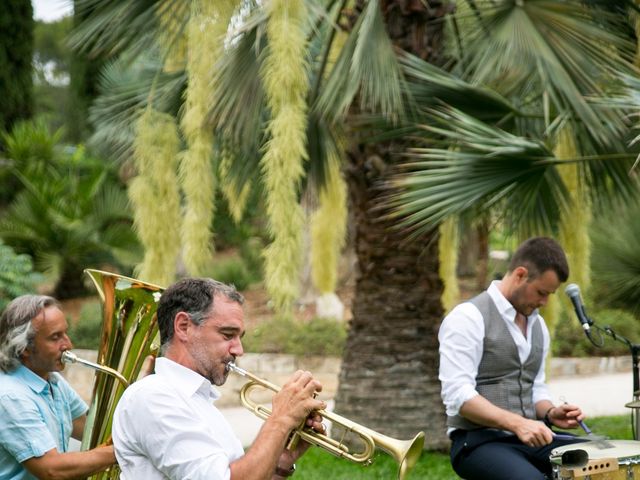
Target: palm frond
x=125 y=91
x=477 y=167
x=616 y=261
x=112 y=27
x=427 y=85
x=558 y=44
x=238 y=114
x=367 y=66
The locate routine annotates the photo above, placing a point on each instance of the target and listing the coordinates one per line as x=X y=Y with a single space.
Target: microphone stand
x=635 y=354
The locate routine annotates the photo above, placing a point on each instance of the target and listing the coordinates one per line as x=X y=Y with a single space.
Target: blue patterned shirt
x=35 y=416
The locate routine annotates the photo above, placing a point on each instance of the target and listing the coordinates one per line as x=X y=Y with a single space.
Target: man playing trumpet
x=166 y=425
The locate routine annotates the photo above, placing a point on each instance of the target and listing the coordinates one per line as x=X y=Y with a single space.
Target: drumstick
x=599 y=440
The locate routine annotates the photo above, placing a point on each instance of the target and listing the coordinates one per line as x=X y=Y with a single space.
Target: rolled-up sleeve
x=461 y=341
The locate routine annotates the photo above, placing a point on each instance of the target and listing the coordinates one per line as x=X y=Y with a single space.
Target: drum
x=594 y=461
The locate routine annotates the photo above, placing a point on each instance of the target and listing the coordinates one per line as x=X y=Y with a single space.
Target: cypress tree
x=84 y=78
x=16 y=54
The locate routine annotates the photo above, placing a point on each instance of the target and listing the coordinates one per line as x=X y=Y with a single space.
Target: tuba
x=129 y=329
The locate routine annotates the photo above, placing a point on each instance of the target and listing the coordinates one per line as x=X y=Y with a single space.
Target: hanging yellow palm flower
x=328 y=229
x=172 y=39
x=286 y=84
x=206 y=32
x=574 y=227
x=156 y=222
x=448 y=243
x=237 y=195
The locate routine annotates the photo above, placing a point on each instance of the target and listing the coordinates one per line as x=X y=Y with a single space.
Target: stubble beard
x=211 y=369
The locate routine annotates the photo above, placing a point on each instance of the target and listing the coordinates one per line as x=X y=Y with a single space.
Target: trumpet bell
x=411 y=455
x=405 y=452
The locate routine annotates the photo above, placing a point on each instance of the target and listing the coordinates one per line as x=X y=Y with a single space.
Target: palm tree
x=557 y=144
x=398 y=350
x=350 y=59
x=69 y=217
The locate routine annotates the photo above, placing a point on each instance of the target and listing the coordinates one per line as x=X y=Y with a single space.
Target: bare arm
x=78 y=427
x=54 y=465
x=530 y=432
x=563 y=416
x=290 y=408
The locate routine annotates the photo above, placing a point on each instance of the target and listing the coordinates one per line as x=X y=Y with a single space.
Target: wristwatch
x=283 y=472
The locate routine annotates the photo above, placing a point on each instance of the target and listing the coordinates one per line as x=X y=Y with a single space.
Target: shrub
x=85 y=332
x=232 y=270
x=570 y=340
x=16 y=275
x=319 y=336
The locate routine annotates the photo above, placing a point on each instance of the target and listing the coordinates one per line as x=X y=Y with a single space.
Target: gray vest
x=501 y=378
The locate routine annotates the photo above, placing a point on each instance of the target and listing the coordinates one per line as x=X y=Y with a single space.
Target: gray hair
x=16 y=327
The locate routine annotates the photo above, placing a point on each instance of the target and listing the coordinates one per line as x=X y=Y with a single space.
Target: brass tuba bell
x=129 y=329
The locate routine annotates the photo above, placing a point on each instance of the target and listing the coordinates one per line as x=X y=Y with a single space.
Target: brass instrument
x=129 y=330
x=71 y=358
x=405 y=452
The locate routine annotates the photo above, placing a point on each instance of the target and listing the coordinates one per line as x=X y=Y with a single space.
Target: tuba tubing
x=405 y=452
x=70 y=358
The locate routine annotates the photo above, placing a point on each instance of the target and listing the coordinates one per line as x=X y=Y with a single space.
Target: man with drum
x=492 y=370
x=166 y=425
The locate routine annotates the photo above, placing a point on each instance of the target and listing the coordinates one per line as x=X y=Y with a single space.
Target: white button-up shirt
x=461 y=339
x=166 y=426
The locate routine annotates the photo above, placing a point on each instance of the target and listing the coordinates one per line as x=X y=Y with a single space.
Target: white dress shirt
x=166 y=426
x=461 y=339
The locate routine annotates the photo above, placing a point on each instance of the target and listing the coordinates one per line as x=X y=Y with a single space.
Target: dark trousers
x=486 y=454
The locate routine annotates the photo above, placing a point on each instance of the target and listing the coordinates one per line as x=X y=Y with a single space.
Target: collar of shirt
x=34 y=382
x=504 y=307
x=187 y=380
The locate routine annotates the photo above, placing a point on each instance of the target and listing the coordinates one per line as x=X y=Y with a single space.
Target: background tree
x=563 y=74
x=68 y=209
x=16 y=54
x=84 y=73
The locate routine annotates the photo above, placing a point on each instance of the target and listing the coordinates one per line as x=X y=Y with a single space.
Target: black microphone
x=573 y=292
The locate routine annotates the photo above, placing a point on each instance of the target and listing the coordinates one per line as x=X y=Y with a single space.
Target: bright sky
x=51 y=10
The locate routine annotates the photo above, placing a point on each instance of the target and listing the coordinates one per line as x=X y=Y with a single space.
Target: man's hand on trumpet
x=296 y=400
x=294 y=404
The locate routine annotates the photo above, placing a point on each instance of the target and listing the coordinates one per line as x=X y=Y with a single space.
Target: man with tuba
x=166 y=425
x=492 y=369
x=39 y=411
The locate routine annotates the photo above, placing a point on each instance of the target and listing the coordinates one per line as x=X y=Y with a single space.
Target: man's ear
x=24 y=356
x=521 y=273
x=181 y=324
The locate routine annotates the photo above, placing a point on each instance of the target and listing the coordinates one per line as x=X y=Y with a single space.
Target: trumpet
x=405 y=452
x=70 y=358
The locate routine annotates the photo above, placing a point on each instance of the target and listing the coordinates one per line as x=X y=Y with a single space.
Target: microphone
x=573 y=292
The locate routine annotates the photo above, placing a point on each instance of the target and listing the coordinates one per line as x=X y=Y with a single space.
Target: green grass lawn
x=319 y=465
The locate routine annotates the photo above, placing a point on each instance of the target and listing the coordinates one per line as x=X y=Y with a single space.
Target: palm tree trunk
x=389 y=378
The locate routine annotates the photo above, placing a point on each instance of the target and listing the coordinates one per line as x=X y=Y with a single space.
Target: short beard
x=207 y=367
